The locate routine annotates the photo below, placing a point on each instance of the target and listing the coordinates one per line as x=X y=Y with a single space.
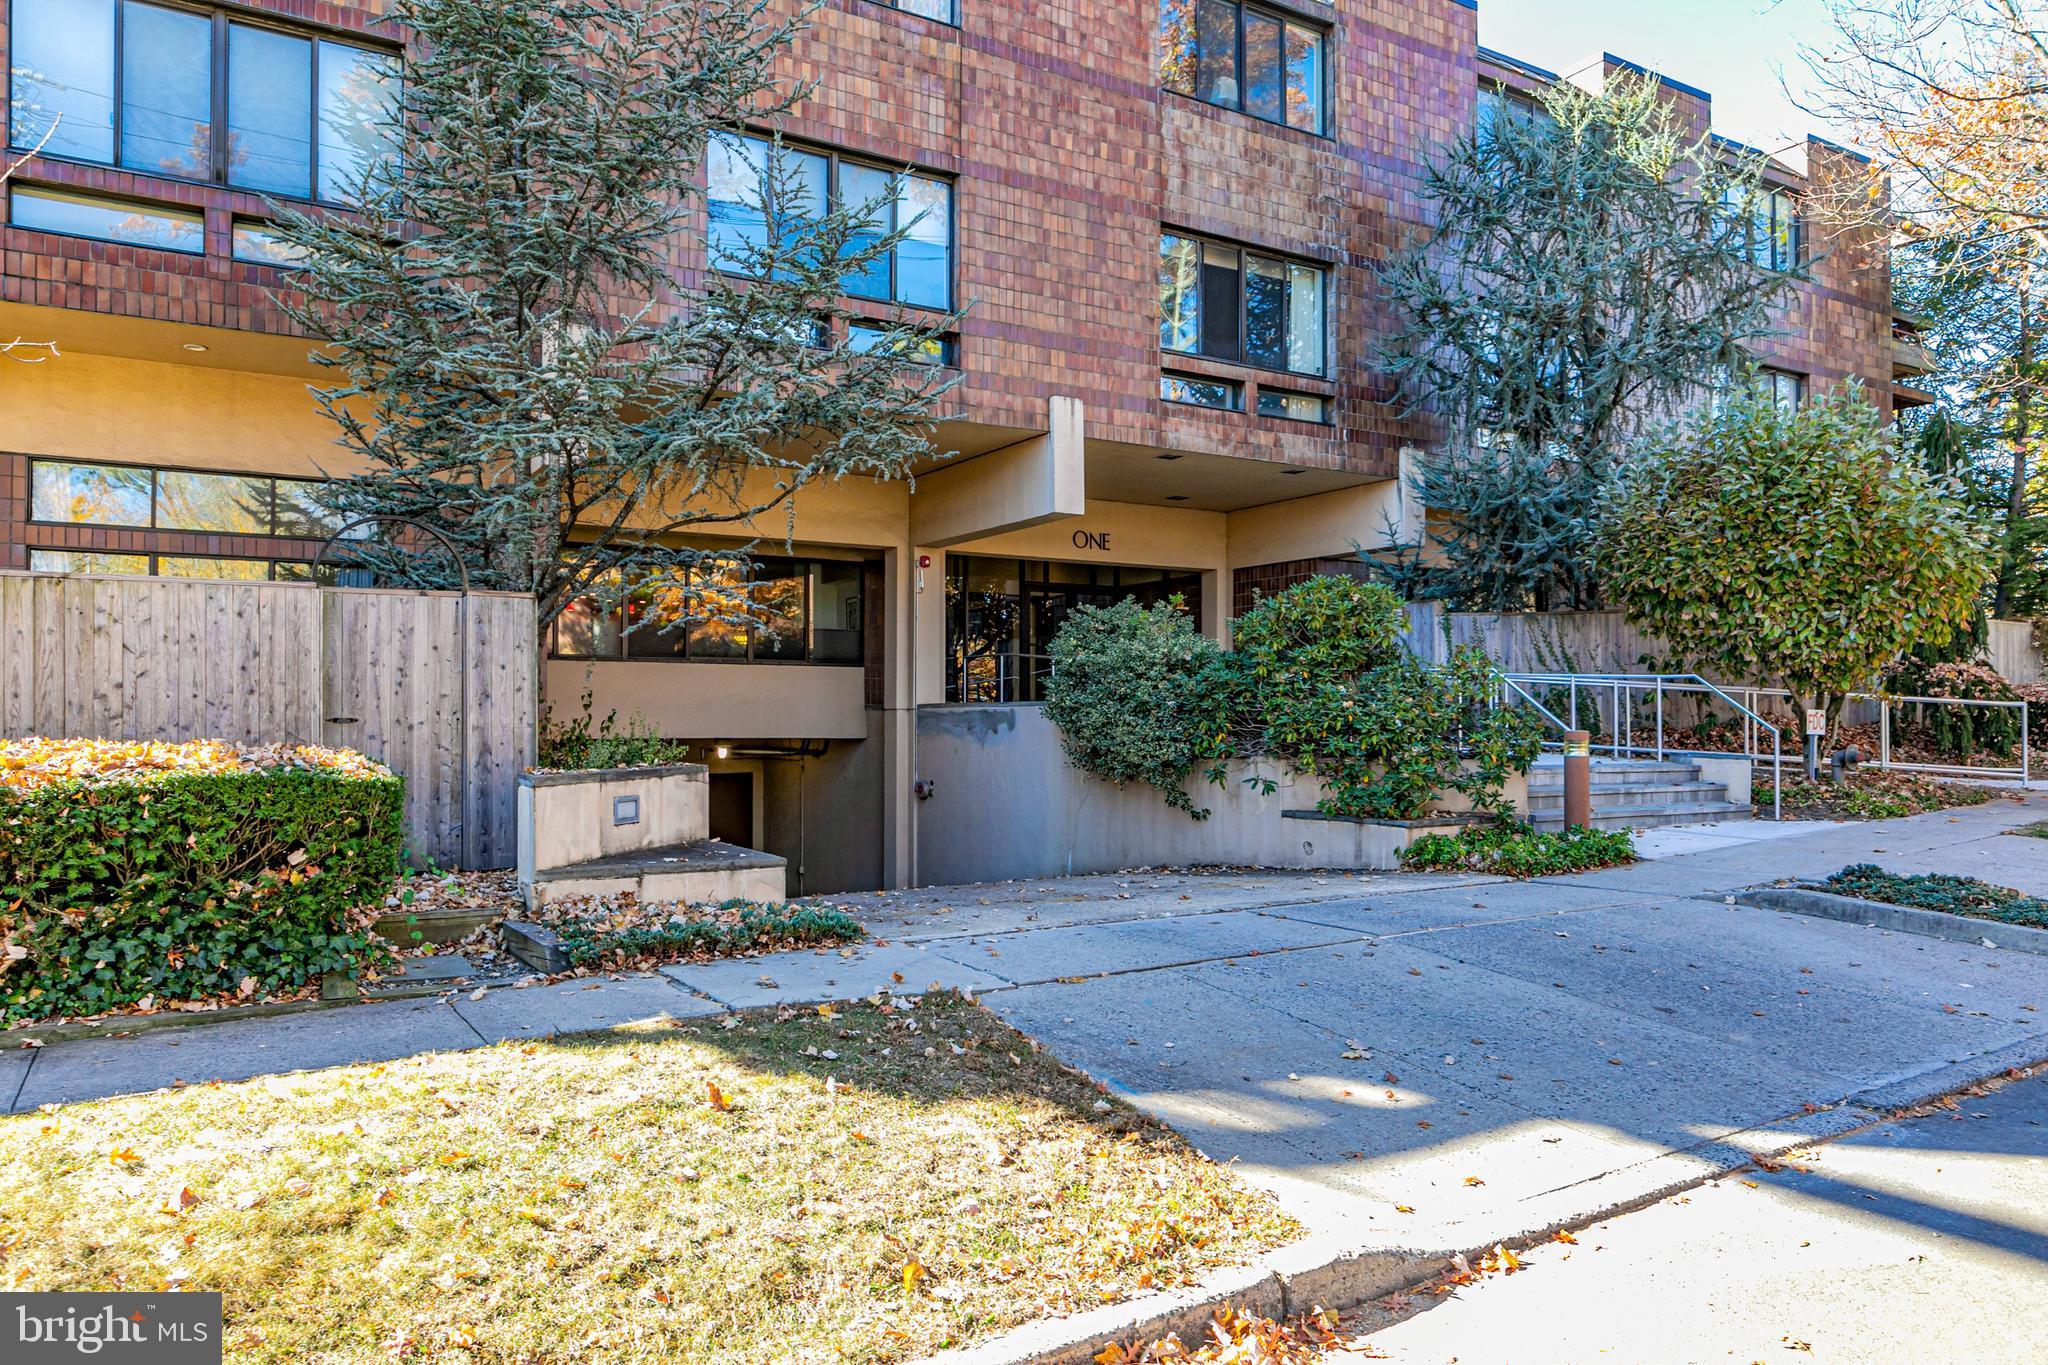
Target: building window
x=773 y=611
x=869 y=336
x=176 y=566
x=257 y=244
x=919 y=271
x=132 y=497
x=198 y=95
x=1296 y=407
x=1501 y=105
x=1001 y=616
x=1228 y=303
x=1766 y=226
x=106 y=220
x=1197 y=392
x=941 y=10
x=1782 y=387
x=1244 y=57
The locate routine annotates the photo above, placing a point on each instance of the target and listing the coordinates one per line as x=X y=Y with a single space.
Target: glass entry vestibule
x=1001 y=616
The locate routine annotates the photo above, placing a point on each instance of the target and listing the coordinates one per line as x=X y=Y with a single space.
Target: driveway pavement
x=1410 y=1061
x=1918 y=1240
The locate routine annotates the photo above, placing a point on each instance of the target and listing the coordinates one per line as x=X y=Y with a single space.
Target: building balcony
x=1910 y=356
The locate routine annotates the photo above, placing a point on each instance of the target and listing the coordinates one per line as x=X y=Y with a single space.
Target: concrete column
x=899 y=717
x=1217 y=588
x=928 y=590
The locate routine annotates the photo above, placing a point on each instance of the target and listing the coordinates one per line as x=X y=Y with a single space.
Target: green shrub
x=1324 y=627
x=1951 y=895
x=1958 y=732
x=183 y=872
x=1126 y=694
x=1320 y=680
x=578 y=745
x=1803 y=546
x=1514 y=850
x=731 y=928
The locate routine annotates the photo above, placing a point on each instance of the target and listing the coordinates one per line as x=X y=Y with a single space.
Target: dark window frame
x=1236 y=389
x=1322 y=398
x=948 y=343
x=1243 y=357
x=807 y=565
x=1768 y=378
x=1325 y=81
x=834 y=158
x=952 y=12
x=222 y=19
x=154 y=556
x=147 y=206
x=155 y=471
x=1765 y=212
x=1513 y=101
x=1037 y=586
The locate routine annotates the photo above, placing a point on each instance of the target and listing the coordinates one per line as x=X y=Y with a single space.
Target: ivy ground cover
x=1950 y=895
x=147 y=872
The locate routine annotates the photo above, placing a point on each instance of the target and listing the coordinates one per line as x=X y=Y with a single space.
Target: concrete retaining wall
x=567 y=818
x=1007 y=804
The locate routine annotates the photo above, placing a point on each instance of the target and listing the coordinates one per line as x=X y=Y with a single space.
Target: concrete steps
x=1633 y=794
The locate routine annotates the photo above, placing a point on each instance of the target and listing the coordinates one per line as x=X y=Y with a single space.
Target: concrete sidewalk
x=1406 y=1060
x=1918 y=1240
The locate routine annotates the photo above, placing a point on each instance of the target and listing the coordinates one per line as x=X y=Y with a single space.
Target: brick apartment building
x=1163 y=213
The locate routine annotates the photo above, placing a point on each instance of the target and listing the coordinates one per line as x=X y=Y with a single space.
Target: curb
x=1317 y=1271
x=1977 y=933
x=124 y=1025
x=1327 y=1272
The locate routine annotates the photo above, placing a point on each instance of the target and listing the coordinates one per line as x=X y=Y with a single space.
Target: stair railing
x=1620 y=690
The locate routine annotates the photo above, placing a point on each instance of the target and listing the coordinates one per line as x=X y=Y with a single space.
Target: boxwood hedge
x=180 y=872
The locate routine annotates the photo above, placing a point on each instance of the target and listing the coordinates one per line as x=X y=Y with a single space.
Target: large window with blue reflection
x=745 y=195
x=199 y=95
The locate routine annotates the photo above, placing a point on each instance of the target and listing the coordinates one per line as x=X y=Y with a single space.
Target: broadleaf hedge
x=1319 y=680
x=179 y=873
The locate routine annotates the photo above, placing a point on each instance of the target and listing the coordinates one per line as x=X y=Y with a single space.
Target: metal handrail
x=1528 y=699
x=1622 y=685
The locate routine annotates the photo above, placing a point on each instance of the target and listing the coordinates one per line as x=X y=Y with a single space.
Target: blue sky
x=1736 y=50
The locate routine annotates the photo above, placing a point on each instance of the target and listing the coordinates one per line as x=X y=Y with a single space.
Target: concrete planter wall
x=1006 y=804
x=640 y=830
x=568 y=818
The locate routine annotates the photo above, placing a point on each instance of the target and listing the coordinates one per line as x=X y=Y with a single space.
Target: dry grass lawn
x=870 y=1186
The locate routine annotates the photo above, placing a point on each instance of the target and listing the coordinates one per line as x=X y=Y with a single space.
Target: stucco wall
x=1008 y=805
x=820 y=814
x=717 y=701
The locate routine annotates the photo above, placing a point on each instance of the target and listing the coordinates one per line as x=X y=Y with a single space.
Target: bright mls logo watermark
x=117 y=1329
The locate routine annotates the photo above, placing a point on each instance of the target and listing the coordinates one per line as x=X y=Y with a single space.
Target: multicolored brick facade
x=1067 y=160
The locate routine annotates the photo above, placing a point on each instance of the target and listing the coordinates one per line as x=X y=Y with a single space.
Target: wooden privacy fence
x=1604 y=642
x=438 y=686
x=1537 y=642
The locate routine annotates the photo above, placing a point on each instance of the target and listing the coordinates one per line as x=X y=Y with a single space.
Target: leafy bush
x=180 y=872
x=2035 y=695
x=1951 y=895
x=733 y=927
x=1958 y=732
x=1515 y=850
x=1764 y=544
x=1126 y=695
x=1319 y=680
x=577 y=746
